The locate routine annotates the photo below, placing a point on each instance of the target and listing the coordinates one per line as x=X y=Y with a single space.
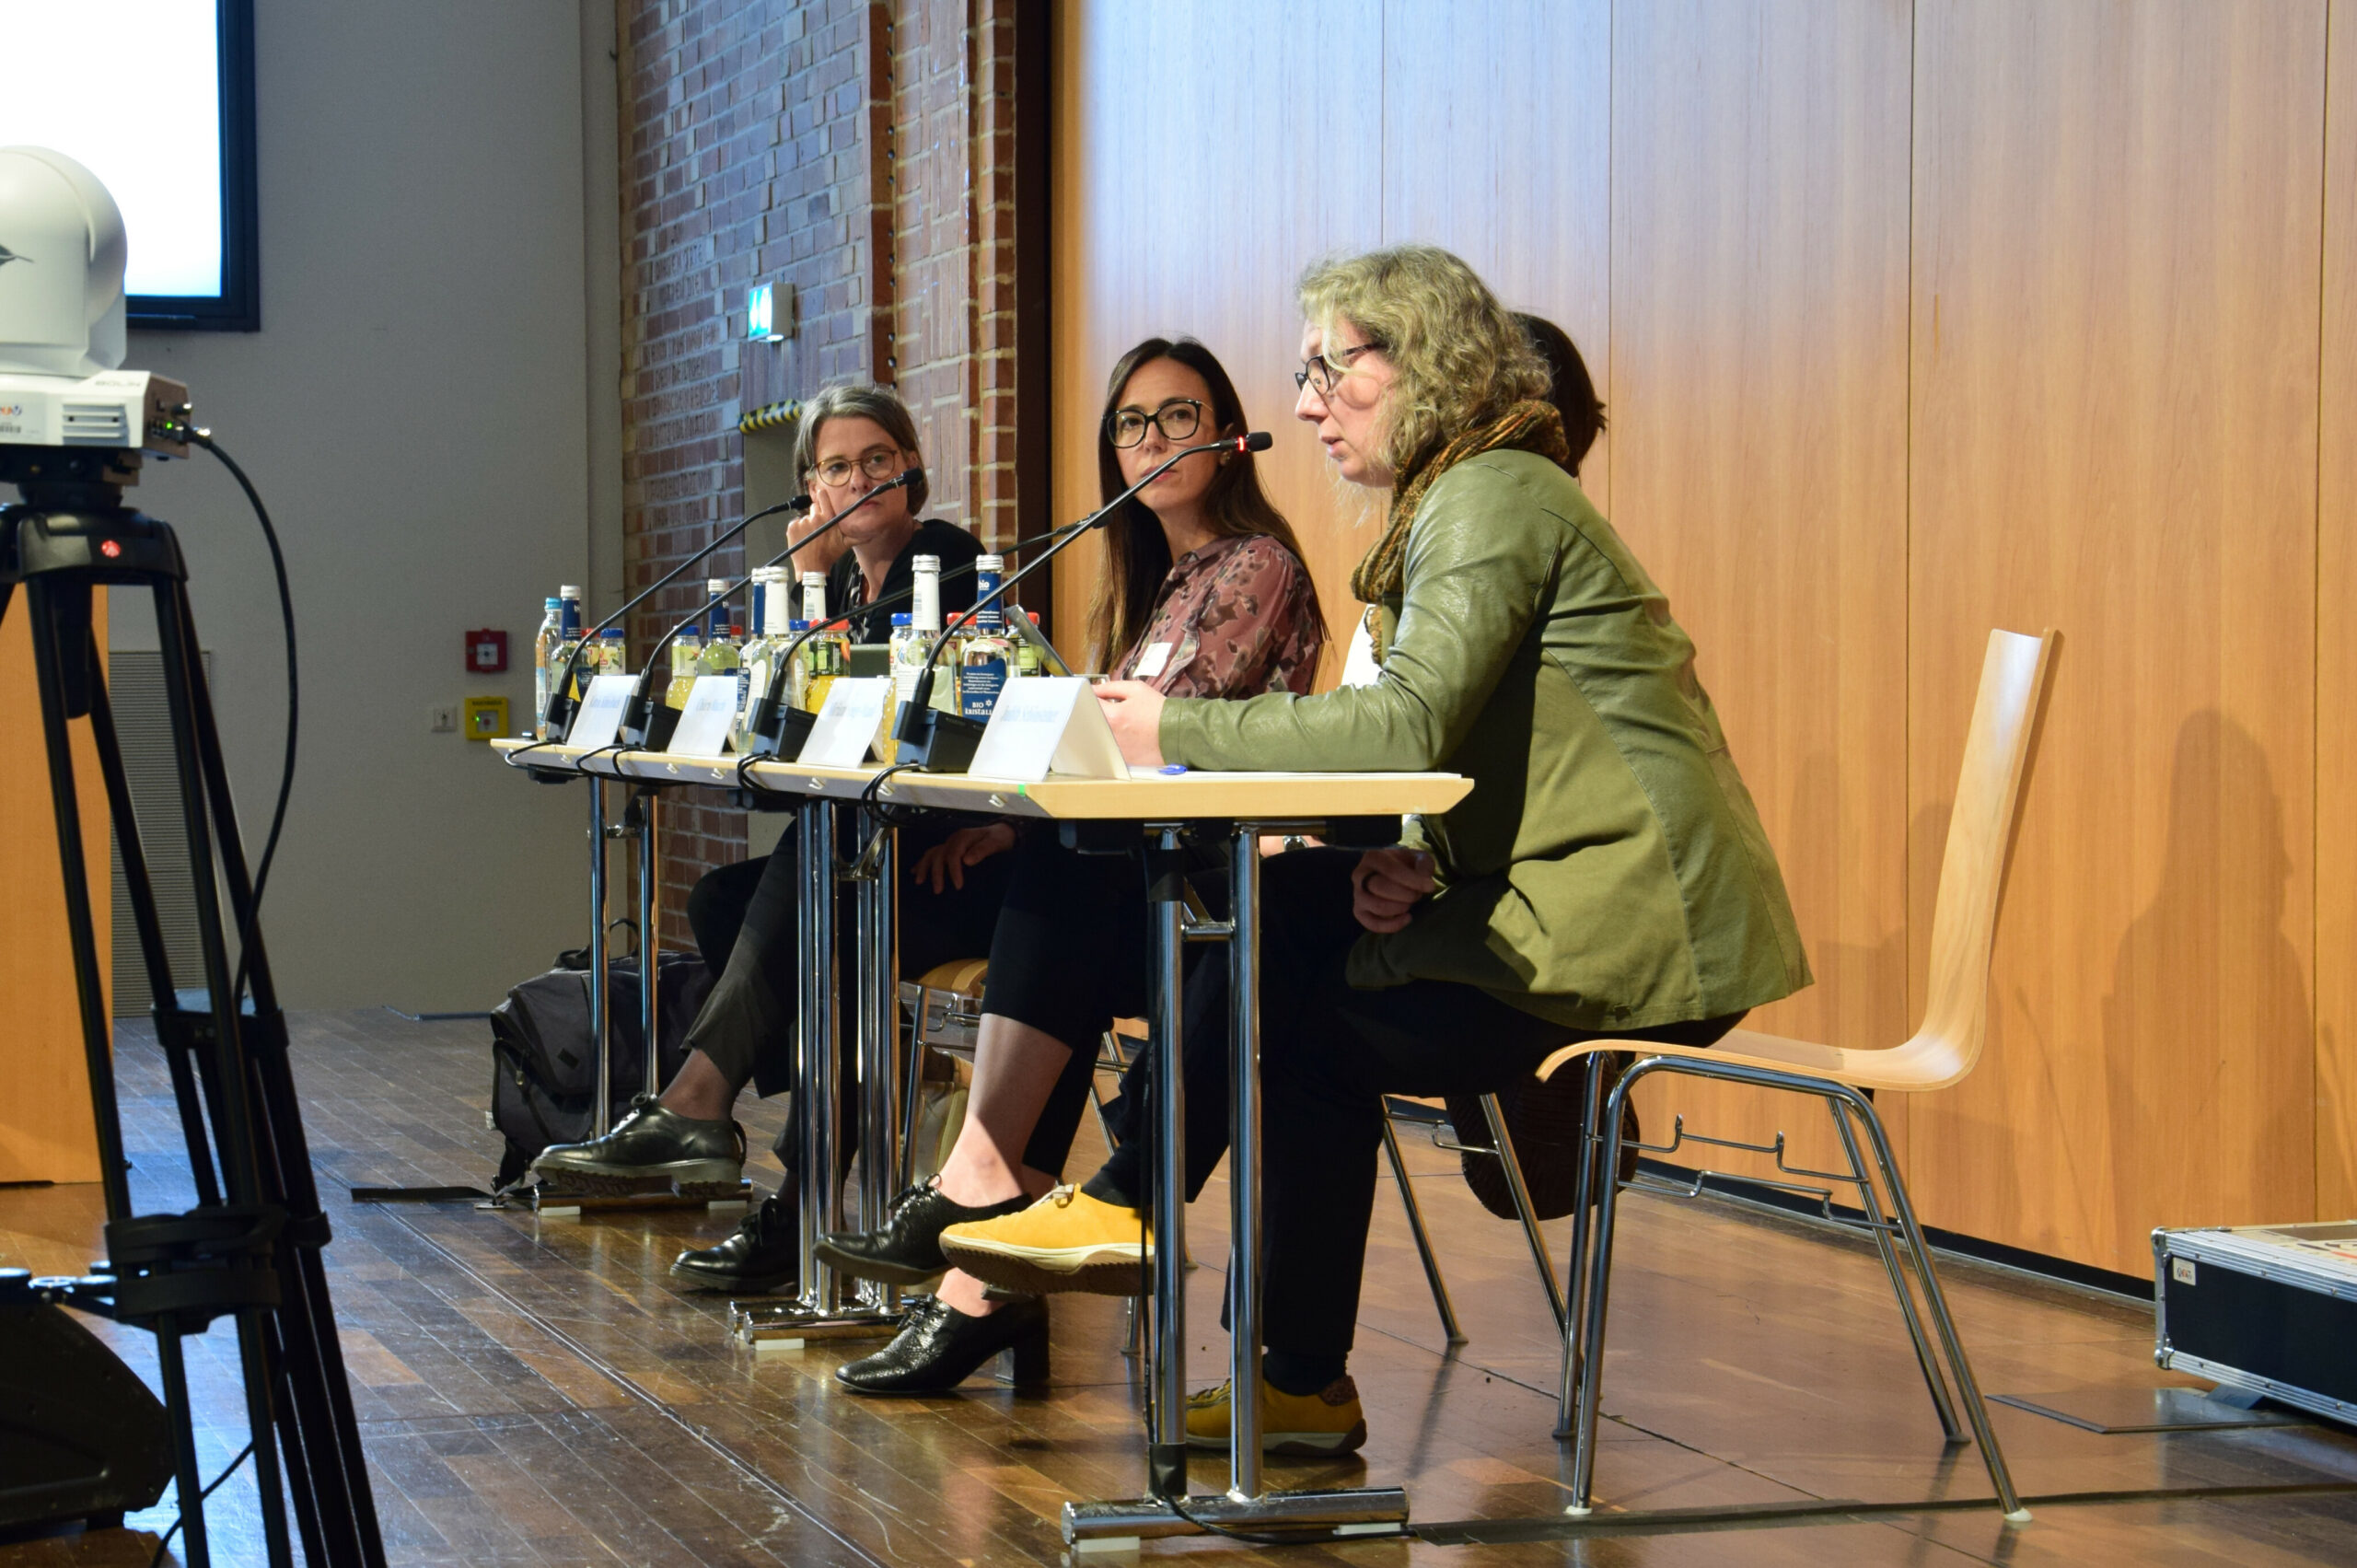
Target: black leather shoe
x=650 y=1149
x=939 y=1347
x=762 y=1259
x=906 y=1248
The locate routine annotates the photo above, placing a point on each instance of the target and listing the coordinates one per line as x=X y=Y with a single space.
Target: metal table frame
x=1162 y=809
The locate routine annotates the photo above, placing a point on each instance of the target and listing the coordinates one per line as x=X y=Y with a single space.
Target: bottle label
x=978 y=688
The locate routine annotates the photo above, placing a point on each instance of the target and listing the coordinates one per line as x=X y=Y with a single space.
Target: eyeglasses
x=1322 y=370
x=879 y=465
x=1178 y=419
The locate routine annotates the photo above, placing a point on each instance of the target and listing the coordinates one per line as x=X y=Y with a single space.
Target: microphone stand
x=558 y=715
x=935 y=741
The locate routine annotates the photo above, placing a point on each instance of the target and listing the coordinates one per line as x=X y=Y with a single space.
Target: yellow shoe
x=1066 y=1241
x=1327 y=1422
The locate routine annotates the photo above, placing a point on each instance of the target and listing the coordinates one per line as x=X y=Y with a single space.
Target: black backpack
x=1544 y=1119
x=544 y=1058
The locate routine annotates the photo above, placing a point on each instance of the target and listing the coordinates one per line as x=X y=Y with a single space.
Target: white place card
x=600 y=713
x=848 y=724
x=703 y=723
x=1048 y=724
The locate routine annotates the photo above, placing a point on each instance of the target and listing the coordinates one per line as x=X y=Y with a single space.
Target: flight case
x=2268 y=1309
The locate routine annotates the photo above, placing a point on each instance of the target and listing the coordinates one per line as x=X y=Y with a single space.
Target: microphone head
x=1258 y=441
x=800 y=503
x=908 y=476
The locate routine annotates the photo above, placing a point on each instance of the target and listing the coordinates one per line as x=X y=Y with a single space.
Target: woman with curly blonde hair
x=1607 y=875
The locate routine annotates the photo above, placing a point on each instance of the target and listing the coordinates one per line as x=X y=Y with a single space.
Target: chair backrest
x=1972 y=872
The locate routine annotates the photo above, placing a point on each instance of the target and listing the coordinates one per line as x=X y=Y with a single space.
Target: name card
x=1048 y=724
x=703 y=723
x=849 y=723
x=600 y=713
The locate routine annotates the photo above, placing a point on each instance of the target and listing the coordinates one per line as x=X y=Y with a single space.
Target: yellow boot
x=1329 y=1421
x=1066 y=1241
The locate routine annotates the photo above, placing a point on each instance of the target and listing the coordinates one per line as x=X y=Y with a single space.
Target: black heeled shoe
x=939 y=1347
x=906 y=1248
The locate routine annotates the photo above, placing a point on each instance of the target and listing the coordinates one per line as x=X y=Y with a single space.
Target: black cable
x=201 y=1496
x=294 y=713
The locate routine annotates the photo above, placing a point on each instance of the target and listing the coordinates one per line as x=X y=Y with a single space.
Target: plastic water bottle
x=986 y=653
x=544 y=646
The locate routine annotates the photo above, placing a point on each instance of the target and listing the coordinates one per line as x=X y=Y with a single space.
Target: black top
x=847 y=585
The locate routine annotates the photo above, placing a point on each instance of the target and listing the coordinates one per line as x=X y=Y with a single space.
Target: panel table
x=1236 y=806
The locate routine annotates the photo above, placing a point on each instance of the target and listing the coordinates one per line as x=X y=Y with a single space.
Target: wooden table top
x=1150 y=796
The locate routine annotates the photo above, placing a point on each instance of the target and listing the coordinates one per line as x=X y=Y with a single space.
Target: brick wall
x=861 y=154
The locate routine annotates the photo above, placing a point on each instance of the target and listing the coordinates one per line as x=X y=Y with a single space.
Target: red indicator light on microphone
x=110 y=548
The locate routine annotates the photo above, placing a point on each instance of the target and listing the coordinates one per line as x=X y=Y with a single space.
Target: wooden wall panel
x=1195 y=175
x=1759 y=464
x=1497 y=145
x=2336 y=879
x=2114 y=385
x=46 y=1134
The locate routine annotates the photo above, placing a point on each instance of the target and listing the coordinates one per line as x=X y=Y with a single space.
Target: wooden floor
x=535 y=1390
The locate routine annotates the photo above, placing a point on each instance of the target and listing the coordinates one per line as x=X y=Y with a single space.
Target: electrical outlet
x=442 y=718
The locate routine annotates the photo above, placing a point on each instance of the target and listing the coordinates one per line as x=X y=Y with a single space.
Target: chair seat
x=1924 y=1063
x=963 y=976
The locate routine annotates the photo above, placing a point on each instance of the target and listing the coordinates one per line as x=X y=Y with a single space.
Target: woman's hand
x=967 y=846
x=827 y=551
x=1134 y=710
x=1388 y=884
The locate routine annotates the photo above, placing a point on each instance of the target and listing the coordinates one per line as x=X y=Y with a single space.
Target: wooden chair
x=1964 y=921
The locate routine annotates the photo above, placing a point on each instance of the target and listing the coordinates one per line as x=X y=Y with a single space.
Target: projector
x=62 y=333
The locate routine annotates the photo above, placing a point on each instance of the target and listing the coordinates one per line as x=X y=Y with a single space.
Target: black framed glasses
x=1322 y=370
x=879 y=465
x=1177 y=420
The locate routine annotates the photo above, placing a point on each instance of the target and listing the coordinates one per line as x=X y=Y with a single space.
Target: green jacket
x=1609 y=870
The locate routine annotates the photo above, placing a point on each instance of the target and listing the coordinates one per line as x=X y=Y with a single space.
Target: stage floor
x=534 y=1391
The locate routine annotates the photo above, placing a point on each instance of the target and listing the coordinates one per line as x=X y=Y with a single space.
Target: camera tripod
x=250 y=1248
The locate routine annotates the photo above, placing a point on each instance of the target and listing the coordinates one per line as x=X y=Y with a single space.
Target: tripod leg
x=171 y=1031
x=190 y=1480
x=341 y=1505
x=60 y=632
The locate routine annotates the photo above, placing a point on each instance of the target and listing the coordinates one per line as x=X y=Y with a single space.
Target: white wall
x=418 y=411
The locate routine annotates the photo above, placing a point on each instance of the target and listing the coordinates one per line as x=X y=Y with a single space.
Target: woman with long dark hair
x=1204 y=595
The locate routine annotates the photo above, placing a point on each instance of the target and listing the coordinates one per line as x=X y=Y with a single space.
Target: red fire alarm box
x=486 y=652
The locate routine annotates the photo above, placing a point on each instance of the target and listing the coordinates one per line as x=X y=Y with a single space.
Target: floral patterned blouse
x=1235 y=618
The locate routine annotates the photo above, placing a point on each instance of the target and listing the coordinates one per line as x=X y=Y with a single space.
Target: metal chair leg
x=1599 y=1288
x=1503 y=1141
x=1574 y=1323
x=1449 y=1328
x=1872 y=1206
x=1975 y=1407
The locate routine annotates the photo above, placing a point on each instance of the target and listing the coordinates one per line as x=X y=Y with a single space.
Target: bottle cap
x=568 y=591
x=736 y=629
x=613 y=634
x=556 y=603
x=812 y=579
x=924 y=562
x=901 y=618
x=990 y=563
x=798 y=626
x=715 y=586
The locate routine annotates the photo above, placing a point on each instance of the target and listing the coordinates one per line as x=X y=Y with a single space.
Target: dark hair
x=1570 y=389
x=1137 y=556
x=879 y=405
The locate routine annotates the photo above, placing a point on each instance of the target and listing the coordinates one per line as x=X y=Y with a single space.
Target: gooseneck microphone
x=942 y=742
x=638 y=715
x=558 y=715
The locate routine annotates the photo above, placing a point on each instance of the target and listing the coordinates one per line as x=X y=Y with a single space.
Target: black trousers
x=1328 y=1053
x=747 y=916
x=1069 y=957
